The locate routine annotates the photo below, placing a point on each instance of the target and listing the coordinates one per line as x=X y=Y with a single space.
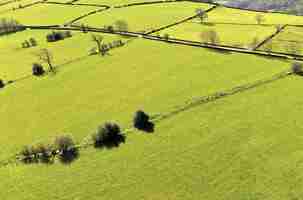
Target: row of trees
x=108 y=135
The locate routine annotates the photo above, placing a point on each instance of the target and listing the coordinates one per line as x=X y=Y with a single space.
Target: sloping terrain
x=226 y=112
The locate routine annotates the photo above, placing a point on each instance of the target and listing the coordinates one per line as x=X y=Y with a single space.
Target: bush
x=44 y=153
x=38 y=69
x=28 y=155
x=297 y=68
x=33 y=42
x=34 y=154
x=68 y=152
x=109 y=135
x=141 y=122
x=1 y=83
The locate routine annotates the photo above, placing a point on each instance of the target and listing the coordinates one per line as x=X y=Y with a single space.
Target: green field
x=288 y=41
x=246 y=146
x=235 y=35
x=146 y=17
x=63 y=51
x=15 y=5
x=47 y=14
x=228 y=15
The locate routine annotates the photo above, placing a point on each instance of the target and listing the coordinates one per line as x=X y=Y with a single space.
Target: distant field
x=15 y=5
x=289 y=40
x=147 y=17
x=40 y=14
x=235 y=35
x=229 y=15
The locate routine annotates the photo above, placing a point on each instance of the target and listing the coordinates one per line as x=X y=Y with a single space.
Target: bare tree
x=121 y=25
x=202 y=15
x=46 y=56
x=98 y=40
x=260 y=18
x=210 y=36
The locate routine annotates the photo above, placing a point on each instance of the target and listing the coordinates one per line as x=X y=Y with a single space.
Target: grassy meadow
x=233 y=35
x=146 y=17
x=245 y=146
x=288 y=41
x=47 y=14
x=237 y=16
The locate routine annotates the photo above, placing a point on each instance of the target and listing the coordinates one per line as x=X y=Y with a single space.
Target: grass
x=287 y=41
x=222 y=150
x=63 y=51
x=245 y=146
x=15 y=5
x=39 y=14
x=229 y=15
x=146 y=17
x=234 y=35
x=49 y=113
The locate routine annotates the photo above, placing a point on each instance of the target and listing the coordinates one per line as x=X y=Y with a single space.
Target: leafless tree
x=201 y=14
x=98 y=40
x=210 y=36
x=46 y=56
x=260 y=18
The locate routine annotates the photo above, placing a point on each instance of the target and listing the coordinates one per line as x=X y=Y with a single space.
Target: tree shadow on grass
x=110 y=143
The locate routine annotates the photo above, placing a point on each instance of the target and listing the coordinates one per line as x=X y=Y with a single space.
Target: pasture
x=145 y=18
x=244 y=146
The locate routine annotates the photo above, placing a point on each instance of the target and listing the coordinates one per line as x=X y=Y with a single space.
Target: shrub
x=297 y=68
x=38 y=69
x=109 y=135
x=25 y=44
x=28 y=155
x=68 y=152
x=34 y=154
x=141 y=122
x=1 y=83
x=33 y=42
x=44 y=153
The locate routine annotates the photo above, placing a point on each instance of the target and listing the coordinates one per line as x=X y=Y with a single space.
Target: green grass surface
x=242 y=147
x=47 y=14
x=246 y=146
x=63 y=51
x=287 y=41
x=156 y=87
x=14 y=5
x=235 y=35
x=146 y=17
x=229 y=15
